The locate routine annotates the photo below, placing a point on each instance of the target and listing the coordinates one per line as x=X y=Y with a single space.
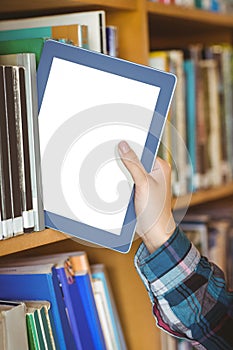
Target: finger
x=132 y=163
x=161 y=173
x=161 y=166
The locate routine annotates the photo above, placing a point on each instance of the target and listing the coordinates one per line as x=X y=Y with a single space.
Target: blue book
x=99 y=274
x=190 y=86
x=84 y=293
x=39 y=282
x=77 y=295
x=73 y=273
x=81 y=309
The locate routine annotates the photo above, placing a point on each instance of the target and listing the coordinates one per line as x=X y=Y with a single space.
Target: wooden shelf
x=202 y=197
x=16 y=9
x=30 y=240
x=190 y=26
x=191 y=15
x=39 y=239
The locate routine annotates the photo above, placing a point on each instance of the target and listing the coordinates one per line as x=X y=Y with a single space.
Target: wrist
x=159 y=234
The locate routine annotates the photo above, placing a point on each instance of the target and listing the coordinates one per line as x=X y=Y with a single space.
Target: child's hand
x=155 y=222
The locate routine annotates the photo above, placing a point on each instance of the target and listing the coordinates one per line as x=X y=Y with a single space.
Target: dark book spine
x=5 y=176
x=12 y=115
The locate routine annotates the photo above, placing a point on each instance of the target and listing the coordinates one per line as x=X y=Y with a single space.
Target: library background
x=192 y=39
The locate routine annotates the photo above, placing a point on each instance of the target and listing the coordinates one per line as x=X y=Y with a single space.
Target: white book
x=13 y=331
x=104 y=314
x=213 y=118
x=95 y=20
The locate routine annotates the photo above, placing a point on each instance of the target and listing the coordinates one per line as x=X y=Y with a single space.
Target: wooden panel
x=133 y=33
x=16 y=9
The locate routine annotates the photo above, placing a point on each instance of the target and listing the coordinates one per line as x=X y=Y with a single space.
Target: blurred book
x=13 y=332
x=196 y=229
x=76 y=27
x=112 y=41
x=106 y=306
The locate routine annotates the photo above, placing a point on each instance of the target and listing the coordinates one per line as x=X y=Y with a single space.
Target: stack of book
x=84 y=29
x=199 y=130
x=21 y=44
x=209 y=5
x=20 y=181
x=60 y=302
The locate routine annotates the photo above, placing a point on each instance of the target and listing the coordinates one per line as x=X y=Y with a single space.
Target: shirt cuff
x=169 y=265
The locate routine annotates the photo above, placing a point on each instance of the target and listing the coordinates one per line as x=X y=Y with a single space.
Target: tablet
x=88 y=103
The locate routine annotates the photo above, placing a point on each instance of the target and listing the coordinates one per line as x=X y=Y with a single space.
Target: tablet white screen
x=100 y=105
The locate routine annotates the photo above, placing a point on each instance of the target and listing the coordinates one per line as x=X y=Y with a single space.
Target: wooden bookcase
x=142 y=26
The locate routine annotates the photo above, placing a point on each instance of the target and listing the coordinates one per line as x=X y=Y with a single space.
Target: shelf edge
x=202 y=197
x=192 y=15
x=30 y=240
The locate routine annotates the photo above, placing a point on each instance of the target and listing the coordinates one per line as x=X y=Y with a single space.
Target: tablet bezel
x=166 y=83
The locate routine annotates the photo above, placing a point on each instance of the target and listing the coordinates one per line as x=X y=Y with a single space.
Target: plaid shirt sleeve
x=188 y=293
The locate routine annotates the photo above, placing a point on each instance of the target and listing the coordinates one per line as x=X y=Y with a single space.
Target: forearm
x=188 y=293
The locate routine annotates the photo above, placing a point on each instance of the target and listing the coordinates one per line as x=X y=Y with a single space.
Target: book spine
x=28 y=61
x=112 y=41
x=26 y=190
x=5 y=187
x=6 y=115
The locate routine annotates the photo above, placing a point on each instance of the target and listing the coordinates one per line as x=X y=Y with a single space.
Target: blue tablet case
x=134 y=93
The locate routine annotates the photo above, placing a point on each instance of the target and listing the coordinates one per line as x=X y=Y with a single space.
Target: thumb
x=132 y=163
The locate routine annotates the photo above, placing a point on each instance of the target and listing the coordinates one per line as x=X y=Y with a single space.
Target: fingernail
x=124 y=147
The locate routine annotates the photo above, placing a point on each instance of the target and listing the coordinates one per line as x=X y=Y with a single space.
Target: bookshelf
x=143 y=26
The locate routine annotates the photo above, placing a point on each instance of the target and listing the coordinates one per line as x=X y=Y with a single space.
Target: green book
x=33 y=340
x=32 y=45
x=43 y=323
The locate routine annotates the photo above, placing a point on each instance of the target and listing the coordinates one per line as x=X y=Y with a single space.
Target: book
x=5 y=178
x=32 y=330
x=211 y=112
x=190 y=111
x=40 y=309
x=83 y=281
x=39 y=282
x=27 y=60
x=27 y=41
x=197 y=230
x=222 y=54
x=112 y=46
x=23 y=148
x=106 y=306
x=21 y=46
x=43 y=26
x=75 y=34
x=200 y=176
x=13 y=332
x=180 y=185
x=218 y=240
x=73 y=274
